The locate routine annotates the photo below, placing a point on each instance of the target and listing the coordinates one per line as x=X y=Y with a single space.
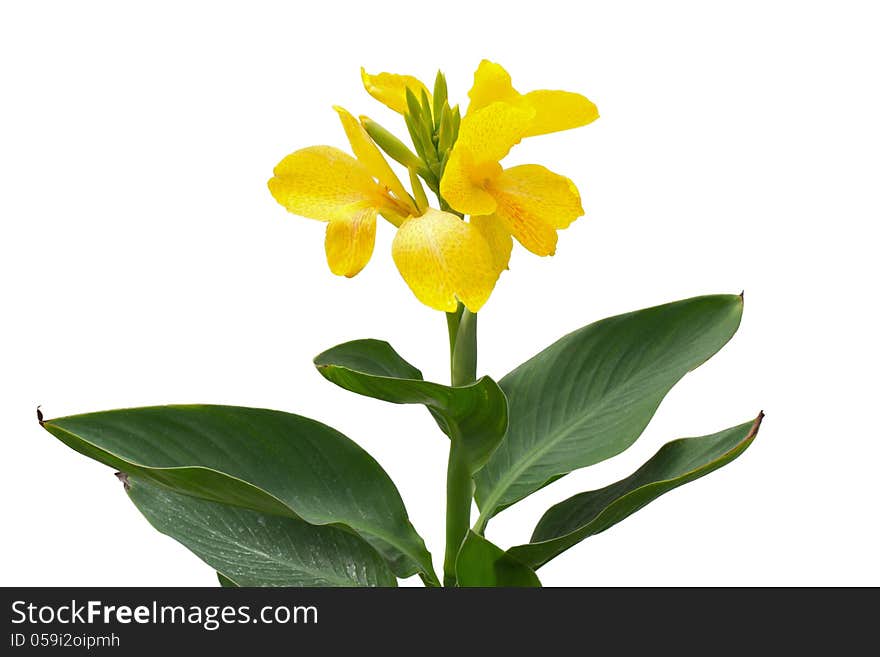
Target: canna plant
x=268 y=498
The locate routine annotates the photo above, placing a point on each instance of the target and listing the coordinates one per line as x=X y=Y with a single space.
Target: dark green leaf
x=268 y=461
x=480 y=563
x=474 y=415
x=590 y=395
x=249 y=548
x=587 y=514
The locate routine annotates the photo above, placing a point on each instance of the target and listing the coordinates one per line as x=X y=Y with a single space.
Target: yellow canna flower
x=444 y=260
x=390 y=88
x=529 y=202
x=327 y=184
x=553 y=110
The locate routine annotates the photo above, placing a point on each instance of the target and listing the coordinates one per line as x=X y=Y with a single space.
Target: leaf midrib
x=566 y=429
x=509 y=478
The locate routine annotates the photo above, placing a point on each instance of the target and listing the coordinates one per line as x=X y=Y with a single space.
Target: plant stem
x=464 y=350
x=462 y=326
x=453 y=320
x=459 y=494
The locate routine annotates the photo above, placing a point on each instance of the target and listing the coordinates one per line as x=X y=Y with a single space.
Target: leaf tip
x=123 y=477
x=755 y=426
x=39 y=415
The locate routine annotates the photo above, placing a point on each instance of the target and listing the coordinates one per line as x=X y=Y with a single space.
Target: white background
x=144 y=262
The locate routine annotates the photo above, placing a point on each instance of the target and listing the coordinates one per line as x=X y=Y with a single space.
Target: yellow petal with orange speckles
x=349 y=241
x=319 y=182
x=484 y=138
x=444 y=260
x=497 y=236
x=490 y=132
x=461 y=186
x=533 y=202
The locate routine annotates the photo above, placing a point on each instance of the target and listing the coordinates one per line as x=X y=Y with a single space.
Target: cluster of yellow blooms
x=443 y=257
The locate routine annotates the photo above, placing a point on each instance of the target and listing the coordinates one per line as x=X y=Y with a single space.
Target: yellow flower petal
x=349 y=241
x=322 y=182
x=534 y=202
x=485 y=136
x=371 y=157
x=554 y=110
x=444 y=260
x=461 y=188
x=490 y=132
x=390 y=88
x=491 y=84
x=558 y=110
x=497 y=236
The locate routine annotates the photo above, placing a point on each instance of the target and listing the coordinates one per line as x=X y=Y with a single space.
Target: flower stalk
x=462 y=326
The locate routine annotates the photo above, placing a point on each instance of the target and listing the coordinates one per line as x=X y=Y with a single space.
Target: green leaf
x=413 y=105
x=249 y=548
x=417 y=140
x=225 y=582
x=440 y=96
x=474 y=415
x=268 y=461
x=456 y=122
x=421 y=126
x=480 y=563
x=444 y=131
x=587 y=514
x=590 y=395
x=427 y=113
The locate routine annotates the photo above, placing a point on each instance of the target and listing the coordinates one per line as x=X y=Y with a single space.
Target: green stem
x=480 y=525
x=464 y=350
x=453 y=320
x=459 y=495
x=462 y=326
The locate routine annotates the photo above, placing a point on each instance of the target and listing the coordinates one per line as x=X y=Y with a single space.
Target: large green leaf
x=481 y=563
x=590 y=395
x=474 y=415
x=249 y=548
x=586 y=514
x=268 y=461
